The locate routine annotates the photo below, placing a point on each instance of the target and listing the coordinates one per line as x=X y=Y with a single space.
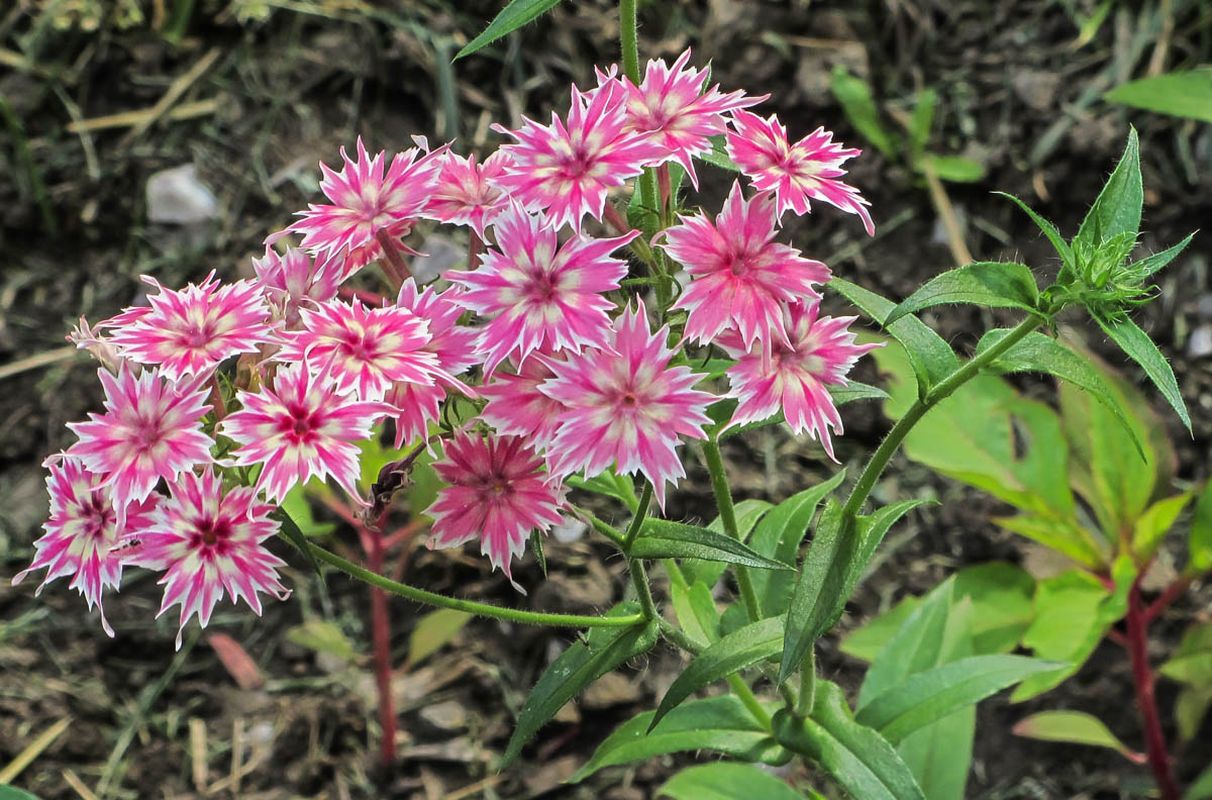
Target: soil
x=1016 y=93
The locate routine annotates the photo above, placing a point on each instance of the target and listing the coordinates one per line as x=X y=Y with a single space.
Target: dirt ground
x=267 y=88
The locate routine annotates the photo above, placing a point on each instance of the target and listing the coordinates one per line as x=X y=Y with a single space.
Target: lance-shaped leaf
x=696 y=611
x=1186 y=94
x=932 y=358
x=577 y=667
x=661 y=538
x=1137 y=345
x=294 y=535
x=718 y=156
x=725 y=781
x=720 y=724
x=857 y=757
x=934 y=694
x=859 y=106
x=1149 y=266
x=743 y=648
x=841 y=547
x=1049 y=230
x=1118 y=207
x=1074 y=727
x=513 y=16
x=1199 y=545
x=997 y=284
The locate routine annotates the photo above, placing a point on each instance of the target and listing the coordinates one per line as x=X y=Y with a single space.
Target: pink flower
x=189 y=332
x=626 y=406
x=367 y=203
x=363 y=349
x=210 y=541
x=794 y=172
x=454 y=346
x=518 y=407
x=301 y=428
x=742 y=278
x=566 y=169
x=151 y=429
x=467 y=193
x=498 y=492
x=294 y=280
x=537 y=294
x=796 y=377
x=671 y=107
x=83 y=538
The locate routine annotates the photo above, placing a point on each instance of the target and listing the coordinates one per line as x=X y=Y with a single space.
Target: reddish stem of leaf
x=616 y=220
x=1143 y=680
x=475 y=246
x=369 y=298
x=216 y=398
x=393 y=263
x=1172 y=592
x=666 y=187
x=380 y=626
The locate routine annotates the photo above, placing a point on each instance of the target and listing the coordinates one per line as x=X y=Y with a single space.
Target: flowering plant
x=601 y=327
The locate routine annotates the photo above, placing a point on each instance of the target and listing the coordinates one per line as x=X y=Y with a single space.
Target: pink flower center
x=300 y=424
x=543 y=286
x=210 y=534
x=98 y=515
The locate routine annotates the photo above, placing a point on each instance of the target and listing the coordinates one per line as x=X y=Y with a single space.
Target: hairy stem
x=807 y=684
x=637 y=521
x=1146 y=702
x=723 y=501
x=380 y=626
x=393 y=263
x=469 y=606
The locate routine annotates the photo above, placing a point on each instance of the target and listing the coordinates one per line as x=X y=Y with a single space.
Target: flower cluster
x=538 y=361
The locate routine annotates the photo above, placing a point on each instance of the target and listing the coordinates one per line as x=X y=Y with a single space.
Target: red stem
x=369 y=298
x=393 y=263
x=475 y=246
x=1172 y=592
x=1142 y=678
x=666 y=188
x=615 y=219
x=380 y=626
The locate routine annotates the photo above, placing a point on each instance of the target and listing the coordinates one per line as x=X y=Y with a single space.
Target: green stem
x=629 y=40
x=939 y=392
x=737 y=684
x=604 y=528
x=639 y=579
x=723 y=501
x=637 y=521
x=469 y=606
x=807 y=684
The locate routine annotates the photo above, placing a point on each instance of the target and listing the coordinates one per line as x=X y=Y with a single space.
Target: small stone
x=569 y=531
x=448 y=716
x=438 y=254
x=612 y=689
x=1199 y=344
x=176 y=197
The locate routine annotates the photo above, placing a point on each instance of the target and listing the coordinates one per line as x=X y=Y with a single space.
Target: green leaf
x=322 y=636
x=718 y=156
x=13 y=793
x=661 y=538
x=865 y=643
x=1202 y=788
x=915 y=646
x=997 y=284
x=297 y=506
x=516 y=14
x=859 y=759
x=1066 y=536
x=1137 y=345
x=697 y=614
x=608 y=484
x=725 y=781
x=751 y=644
x=1049 y=230
x=1190 y=708
x=1191 y=662
x=1073 y=727
x=1199 y=545
x=955 y=169
x=1118 y=207
x=291 y=532
x=581 y=664
x=854 y=95
x=921 y=122
x=1149 y=266
x=932 y=695
x=932 y=358
x=1155 y=523
x=779 y=535
x=433 y=631
x=720 y=724
x=1179 y=94
x=856 y=391
x=747 y=512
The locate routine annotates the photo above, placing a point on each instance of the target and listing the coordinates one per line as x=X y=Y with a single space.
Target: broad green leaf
x=917 y=645
x=697 y=614
x=954 y=169
x=921 y=122
x=1199 y=545
x=997 y=284
x=718 y=156
x=581 y=664
x=932 y=358
x=720 y=724
x=1118 y=207
x=297 y=506
x=1151 y=265
x=934 y=694
x=859 y=759
x=322 y=636
x=1066 y=536
x=1190 y=708
x=855 y=391
x=1040 y=353
x=748 y=512
x=1049 y=230
x=661 y=538
x=516 y=14
x=726 y=781
x=854 y=95
x=1155 y=523
x=1073 y=727
x=779 y=535
x=608 y=484
x=1186 y=94
x=1137 y=345
x=736 y=651
x=1191 y=662
x=295 y=537
x=1202 y=788
x=13 y=793
x=865 y=643
x=433 y=631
